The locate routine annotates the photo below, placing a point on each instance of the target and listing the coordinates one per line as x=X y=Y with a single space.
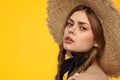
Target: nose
x=71 y=30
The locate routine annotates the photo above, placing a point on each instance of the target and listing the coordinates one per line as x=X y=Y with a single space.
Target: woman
x=82 y=37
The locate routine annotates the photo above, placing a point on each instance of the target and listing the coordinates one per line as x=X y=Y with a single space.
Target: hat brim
x=109 y=17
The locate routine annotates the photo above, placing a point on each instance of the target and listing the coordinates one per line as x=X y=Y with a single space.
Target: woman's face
x=78 y=35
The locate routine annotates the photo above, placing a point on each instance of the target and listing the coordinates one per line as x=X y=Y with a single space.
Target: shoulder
x=92 y=73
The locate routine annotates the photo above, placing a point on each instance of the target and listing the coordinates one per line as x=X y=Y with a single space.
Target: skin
x=94 y=72
x=78 y=28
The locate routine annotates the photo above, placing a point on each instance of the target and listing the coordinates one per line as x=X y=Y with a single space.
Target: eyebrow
x=79 y=22
x=70 y=20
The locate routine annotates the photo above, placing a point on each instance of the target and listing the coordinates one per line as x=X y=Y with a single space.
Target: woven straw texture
x=109 y=17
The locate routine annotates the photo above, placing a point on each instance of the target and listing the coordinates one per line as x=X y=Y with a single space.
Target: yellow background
x=27 y=50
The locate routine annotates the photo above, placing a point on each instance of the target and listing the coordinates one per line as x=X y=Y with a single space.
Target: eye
x=69 y=24
x=82 y=28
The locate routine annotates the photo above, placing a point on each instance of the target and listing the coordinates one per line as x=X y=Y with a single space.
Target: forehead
x=80 y=16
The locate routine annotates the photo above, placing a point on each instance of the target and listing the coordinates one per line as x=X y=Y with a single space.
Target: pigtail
x=61 y=58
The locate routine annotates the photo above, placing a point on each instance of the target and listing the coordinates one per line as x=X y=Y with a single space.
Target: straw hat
x=109 y=17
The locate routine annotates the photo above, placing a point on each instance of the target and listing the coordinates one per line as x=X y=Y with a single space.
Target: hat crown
x=109 y=17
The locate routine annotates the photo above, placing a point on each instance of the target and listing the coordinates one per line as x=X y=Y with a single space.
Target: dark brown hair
x=95 y=52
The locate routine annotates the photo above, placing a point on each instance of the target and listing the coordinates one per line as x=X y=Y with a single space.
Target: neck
x=79 y=54
x=95 y=63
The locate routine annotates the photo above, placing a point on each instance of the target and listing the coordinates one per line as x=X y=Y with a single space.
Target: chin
x=69 y=48
x=72 y=49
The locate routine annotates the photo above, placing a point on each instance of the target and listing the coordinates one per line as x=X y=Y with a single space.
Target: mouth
x=68 y=40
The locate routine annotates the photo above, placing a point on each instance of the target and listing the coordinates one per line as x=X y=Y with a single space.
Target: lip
x=69 y=40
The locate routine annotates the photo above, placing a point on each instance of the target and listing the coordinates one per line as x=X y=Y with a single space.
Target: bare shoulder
x=92 y=73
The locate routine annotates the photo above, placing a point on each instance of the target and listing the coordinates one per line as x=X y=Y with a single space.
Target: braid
x=61 y=58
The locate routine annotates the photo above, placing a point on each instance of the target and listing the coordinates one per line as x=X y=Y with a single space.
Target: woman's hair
x=95 y=52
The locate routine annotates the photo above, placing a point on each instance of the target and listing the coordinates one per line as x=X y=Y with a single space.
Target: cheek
x=86 y=38
x=85 y=43
x=89 y=38
x=65 y=31
x=64 y=35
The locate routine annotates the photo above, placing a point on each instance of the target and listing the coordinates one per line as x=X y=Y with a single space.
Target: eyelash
x=69 y=24
x=81 y=27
